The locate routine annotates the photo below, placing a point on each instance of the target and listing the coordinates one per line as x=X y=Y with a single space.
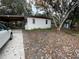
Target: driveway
x=14 y=49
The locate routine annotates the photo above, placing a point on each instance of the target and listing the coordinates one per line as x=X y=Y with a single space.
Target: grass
x=47 y=30
x=68 y=31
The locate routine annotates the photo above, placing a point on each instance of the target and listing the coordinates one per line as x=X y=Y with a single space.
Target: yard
x=41 y=14
x=44 y=44
x=50 y=45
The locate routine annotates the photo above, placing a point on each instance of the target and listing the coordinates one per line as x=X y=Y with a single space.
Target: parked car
x=5 y=34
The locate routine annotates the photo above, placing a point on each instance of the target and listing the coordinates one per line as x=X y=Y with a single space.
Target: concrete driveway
x=14 y=49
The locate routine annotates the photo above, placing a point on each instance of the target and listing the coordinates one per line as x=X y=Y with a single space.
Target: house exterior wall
x=39 y=24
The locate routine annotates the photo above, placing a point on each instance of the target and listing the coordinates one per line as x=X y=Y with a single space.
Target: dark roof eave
x=39 y=17
x=21 y=16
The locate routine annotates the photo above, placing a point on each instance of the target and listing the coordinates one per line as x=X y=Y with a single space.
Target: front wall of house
x=39 y=23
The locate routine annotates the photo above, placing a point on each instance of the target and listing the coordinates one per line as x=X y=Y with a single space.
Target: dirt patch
x=50 y=45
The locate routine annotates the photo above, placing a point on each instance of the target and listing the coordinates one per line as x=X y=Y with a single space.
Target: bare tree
x=60 y=10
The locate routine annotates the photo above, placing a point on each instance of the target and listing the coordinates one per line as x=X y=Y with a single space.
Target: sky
x=34 y=8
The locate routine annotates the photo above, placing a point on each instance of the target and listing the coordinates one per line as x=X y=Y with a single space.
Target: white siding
x=39 y=23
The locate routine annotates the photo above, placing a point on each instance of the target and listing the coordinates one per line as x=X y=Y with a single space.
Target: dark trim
x=39 y=17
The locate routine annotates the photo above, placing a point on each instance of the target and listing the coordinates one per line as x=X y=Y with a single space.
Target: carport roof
x=19 y=17
x=11 y=17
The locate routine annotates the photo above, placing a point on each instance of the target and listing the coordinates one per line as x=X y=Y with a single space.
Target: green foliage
x=7 y=2
x=74 y=16
x=15 y=7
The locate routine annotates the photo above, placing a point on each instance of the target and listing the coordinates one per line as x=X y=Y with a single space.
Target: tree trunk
x=55 y=23
x=61 y=24
x=64 y=19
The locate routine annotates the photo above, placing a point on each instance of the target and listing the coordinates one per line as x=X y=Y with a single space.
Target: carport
x=13 y=21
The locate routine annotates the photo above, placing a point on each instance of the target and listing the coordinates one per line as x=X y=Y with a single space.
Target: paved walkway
x=14 y=49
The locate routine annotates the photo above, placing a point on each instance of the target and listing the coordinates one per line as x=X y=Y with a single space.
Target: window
x=2 y=27
x=46 y=21
x=33 y=21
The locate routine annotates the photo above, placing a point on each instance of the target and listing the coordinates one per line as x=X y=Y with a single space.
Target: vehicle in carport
x=5 y=34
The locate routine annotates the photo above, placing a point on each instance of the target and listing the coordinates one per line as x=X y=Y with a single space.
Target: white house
x=37 y=23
